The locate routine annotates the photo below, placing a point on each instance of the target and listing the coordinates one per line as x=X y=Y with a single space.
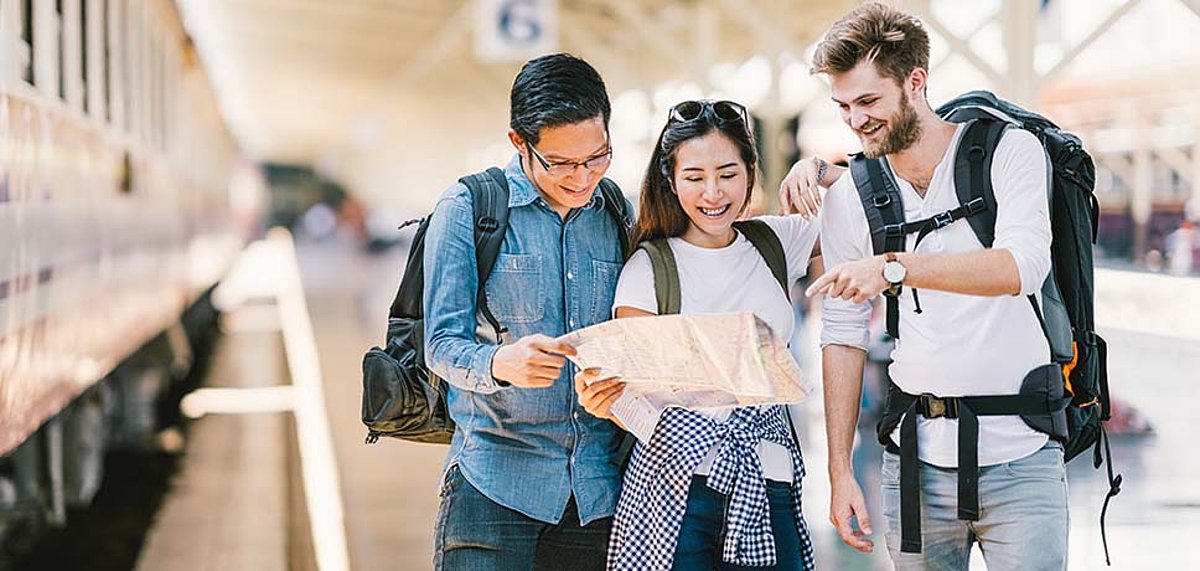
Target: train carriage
x=118 y=214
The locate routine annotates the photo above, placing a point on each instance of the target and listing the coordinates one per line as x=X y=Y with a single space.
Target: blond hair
x=895 y=41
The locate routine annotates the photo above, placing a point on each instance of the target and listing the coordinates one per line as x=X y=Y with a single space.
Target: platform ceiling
x=299 y=77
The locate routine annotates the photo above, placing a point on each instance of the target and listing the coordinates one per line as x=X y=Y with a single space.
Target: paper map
x=696 y=361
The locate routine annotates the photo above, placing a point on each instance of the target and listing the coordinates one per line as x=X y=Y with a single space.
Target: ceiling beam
x=1193 y=5
x=1069 y=58
x=653 y=32
x=958 y=45
x=771 y=37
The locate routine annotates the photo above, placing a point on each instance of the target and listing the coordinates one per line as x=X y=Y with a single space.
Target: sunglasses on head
x=722 y=111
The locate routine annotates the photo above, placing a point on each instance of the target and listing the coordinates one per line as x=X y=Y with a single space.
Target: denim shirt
x=529 y=450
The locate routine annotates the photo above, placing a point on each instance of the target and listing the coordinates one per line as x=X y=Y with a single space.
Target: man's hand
x=800 y=191
x=846 y=500
x=532 y=362
x=856 y=281
x=596 y=395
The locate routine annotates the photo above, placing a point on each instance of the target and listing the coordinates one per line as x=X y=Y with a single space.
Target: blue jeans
x=473 y=533
x=701 y=535
x=1023 y=520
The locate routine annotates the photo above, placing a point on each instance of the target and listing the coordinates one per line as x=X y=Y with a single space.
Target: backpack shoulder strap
x=764 y=239
x=884 y=209
x=881 y=203
x=973 y=174
x=408 y=301
x=666 y=275
x=489 y=197
x=614 y=203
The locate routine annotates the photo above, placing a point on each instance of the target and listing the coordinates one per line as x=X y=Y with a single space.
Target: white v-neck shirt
x=960 y=345
x=732 y=279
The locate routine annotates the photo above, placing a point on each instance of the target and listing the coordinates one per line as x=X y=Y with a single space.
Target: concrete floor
x=389 y=489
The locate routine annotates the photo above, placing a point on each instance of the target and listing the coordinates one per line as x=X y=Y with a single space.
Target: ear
x=517 y=141
x=918 y=78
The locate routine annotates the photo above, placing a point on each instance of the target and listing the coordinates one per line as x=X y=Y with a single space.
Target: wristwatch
x=894 y=272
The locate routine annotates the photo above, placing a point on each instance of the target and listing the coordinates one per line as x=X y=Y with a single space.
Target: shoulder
x=638 y=264
x=843 y=196
x=1019 y=142
x=788 y=228
x=457 y=196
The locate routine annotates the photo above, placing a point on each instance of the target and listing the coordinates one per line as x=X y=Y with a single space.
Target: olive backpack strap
x=666 y=275
x=763 y=238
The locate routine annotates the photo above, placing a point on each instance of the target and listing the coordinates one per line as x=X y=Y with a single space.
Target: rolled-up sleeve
x=844 y=238
x=452 y=350
x=1020 y=174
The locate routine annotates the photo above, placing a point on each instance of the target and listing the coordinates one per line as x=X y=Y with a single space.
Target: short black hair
x=556 y=90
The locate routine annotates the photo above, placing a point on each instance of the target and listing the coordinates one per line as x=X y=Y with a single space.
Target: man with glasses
x=531 y=480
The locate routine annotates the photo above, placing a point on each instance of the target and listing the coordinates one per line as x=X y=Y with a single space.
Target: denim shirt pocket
x=515 y=290
x=604 y=287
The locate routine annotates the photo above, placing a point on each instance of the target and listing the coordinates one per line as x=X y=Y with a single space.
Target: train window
x=27 y=40
x=83 y=52
x=61 y=32
x=128 y=71
x=107 y=40
x=97 y=72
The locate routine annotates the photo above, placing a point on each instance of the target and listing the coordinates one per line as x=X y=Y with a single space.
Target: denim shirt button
x=570 y=275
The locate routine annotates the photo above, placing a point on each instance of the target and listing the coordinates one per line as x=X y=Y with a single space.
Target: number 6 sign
x=514 y=30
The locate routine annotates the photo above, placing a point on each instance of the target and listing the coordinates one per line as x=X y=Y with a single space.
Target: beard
x=904 y=129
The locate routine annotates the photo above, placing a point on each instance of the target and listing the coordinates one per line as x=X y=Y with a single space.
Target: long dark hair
x=660 y=215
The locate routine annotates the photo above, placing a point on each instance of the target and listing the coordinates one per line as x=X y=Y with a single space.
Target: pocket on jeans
x=448 y=480
x=1045 y=464
x=891 y=470
x=777 y=490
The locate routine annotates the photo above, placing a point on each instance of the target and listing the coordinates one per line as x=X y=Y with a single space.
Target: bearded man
x=970 y=332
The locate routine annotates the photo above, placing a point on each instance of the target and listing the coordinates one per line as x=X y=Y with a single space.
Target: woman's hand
x=597 y=394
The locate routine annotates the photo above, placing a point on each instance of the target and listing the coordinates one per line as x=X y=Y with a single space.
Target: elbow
x=1026 y=272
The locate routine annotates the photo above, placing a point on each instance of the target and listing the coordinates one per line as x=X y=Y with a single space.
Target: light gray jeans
x=1023 y=521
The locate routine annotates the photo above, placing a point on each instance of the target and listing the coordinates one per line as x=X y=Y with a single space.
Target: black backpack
x=1067 y=316
x=401 y=397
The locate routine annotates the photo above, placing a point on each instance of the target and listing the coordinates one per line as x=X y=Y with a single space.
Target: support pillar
x=1019 y=20
x=1141 y=191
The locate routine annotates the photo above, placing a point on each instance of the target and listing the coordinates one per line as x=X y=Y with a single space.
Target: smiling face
x=878 y=109
x=585 y=141
x=712 y=183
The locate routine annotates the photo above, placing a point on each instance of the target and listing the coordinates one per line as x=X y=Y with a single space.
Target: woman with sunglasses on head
x=714 y=488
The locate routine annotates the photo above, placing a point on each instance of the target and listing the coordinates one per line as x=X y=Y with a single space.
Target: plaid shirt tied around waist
x=654 y=495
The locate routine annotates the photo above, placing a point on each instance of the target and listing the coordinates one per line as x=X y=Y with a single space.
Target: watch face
x=893 y=272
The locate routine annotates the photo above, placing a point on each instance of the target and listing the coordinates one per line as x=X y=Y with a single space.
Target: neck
x=917 y=163
x=698 y=237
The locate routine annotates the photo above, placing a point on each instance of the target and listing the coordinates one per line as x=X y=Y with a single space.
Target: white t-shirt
x=732 y=279
x=960 y=345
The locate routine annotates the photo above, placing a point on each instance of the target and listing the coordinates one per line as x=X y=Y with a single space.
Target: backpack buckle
x=976 y=206
x=488 y=224
x=894 y=230
x=942 y=220
x=882 y=200
x=934 y=407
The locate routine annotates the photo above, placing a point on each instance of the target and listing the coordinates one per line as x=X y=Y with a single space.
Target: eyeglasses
x=594 y=163
x=722 y=111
